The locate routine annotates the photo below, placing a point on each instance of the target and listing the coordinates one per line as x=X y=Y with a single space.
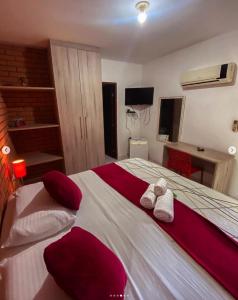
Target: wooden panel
x=74 y=45
x=222 y=163
x=33 y=127
x=38 y=158
x=26 y=88
x=88 y=108
x=209 y=154
x=77 y=77
x=222 y=176
x=95 y=112
x=6 y=183
x=68 y=93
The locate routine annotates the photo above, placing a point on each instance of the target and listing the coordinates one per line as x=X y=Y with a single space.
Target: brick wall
x=34 y=107
x=36 y=140
x=20 y=62
x=33 y=66
x=30 y=65
x=6 y=184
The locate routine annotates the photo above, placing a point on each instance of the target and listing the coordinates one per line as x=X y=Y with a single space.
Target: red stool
x=181 y=163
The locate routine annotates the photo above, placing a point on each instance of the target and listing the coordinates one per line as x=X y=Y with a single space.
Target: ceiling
x=112 y=24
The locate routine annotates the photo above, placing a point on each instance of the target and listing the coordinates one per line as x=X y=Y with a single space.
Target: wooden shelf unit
x=38 y=158
x=32 y=127
x=36 y=105
x=26 y=88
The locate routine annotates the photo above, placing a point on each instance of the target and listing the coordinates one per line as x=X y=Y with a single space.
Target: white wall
x=125 y=75
x=209 y=112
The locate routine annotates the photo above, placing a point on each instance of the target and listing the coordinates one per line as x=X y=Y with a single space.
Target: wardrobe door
x=69 y=96
x=91 y=84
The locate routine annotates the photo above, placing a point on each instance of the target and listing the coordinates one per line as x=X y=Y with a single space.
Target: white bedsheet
x=157 y=267
x=218 y=208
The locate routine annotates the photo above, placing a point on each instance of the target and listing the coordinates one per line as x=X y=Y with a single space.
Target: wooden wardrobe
x=78 y=84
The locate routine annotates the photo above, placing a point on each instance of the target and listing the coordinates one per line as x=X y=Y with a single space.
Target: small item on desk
x=23 y=81
x=148 y=199
x=160 y=187
x=164 y=207
x=11 y=123
x=163 y=137
x=200 y=149
x=18 y=122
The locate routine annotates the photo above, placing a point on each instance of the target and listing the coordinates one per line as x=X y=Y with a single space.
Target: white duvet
x=156 y=266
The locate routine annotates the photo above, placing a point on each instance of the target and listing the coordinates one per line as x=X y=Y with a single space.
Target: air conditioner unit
x=216 y=75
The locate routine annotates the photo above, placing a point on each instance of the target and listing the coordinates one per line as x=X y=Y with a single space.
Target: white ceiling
x=112 y=24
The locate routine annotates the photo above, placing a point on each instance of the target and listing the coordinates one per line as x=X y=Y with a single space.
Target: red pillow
x=62 y=189
x=84 y=268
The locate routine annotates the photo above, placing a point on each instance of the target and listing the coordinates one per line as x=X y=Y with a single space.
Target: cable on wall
x=145 y=116
x=133 y=116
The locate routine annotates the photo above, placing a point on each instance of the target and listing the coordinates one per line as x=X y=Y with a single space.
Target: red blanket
x=202 y=240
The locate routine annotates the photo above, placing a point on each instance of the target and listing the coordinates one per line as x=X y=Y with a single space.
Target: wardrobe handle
x=81 y=132
x=86 y=129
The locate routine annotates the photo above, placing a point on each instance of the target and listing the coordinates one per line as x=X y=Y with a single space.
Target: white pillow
x=37 y=216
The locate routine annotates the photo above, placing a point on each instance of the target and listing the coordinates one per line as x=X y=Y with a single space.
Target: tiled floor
x=109 y=159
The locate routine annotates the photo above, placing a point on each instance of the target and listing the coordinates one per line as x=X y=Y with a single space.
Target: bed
x=156 y=267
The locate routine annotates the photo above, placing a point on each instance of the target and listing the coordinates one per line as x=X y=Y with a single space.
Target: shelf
x=32 y=180
x=32 y=127
x=38 y=158
x=25 y=88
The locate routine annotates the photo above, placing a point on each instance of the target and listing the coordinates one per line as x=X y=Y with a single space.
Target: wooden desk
x=222 y=162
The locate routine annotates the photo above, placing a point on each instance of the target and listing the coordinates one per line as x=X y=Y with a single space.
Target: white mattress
x=156 y=266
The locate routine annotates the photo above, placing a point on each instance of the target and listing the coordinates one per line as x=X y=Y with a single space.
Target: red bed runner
x=201 y=239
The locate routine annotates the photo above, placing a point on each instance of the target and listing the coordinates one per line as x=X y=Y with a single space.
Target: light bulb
x=142 y=17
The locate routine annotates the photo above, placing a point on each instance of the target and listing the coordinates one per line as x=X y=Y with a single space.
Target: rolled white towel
x=148 y=199
x=164 y=208
x=160 y=187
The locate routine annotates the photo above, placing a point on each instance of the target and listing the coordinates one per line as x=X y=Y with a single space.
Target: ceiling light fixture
x=142 y=7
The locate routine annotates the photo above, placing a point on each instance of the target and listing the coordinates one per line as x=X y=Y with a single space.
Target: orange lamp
x=19 y=168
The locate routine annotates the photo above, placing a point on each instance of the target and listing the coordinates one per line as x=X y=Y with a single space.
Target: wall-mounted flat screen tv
x=139 y=96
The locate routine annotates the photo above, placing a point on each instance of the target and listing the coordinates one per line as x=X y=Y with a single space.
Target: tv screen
x=139 y=96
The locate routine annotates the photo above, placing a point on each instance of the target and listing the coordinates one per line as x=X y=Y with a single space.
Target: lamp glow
x=142 y=17
x=19 y=168
x=142 y=7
